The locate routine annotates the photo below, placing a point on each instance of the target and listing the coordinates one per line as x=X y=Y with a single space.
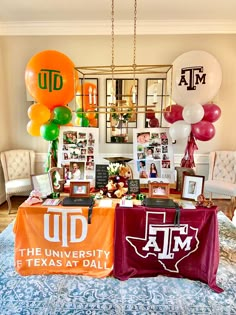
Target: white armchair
x=222 y=175
x=18 y=166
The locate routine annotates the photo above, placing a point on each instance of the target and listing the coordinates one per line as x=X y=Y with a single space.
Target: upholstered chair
x=18 y=166
x=222 y=175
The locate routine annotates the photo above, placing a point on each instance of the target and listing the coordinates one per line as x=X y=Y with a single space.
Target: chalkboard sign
x=101 y=175
x=133 y=186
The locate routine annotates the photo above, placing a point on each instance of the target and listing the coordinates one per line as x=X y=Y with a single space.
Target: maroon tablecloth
x=148 y=243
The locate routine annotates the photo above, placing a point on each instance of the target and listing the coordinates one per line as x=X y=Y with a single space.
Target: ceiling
x=70 y=17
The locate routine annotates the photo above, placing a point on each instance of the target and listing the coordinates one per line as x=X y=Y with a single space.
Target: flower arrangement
x=113 y=169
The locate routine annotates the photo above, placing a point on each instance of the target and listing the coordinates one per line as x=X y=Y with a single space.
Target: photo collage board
x=77 y=152
x=153 y=155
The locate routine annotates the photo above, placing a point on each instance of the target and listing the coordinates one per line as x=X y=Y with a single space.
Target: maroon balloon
x=173 y=113
x=203 y=130
x=212 y=112
x=154 y=122
x=150 y=113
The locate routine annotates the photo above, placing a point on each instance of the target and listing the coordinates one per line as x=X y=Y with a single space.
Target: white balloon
x=197 y=77
x=179 y=130
x=193 y=113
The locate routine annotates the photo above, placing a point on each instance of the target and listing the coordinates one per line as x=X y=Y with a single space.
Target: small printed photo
x=153 y=172
x=164 y=135
x=165 y=164
x=76 y=170
x=140 y=148
x=165 y=157
x=65 y=156
x=149 y=152
x=65 y=147
x=89 y=166
x=90 y=158
x=164 y=141
x=164 y=148
x=69 y=137
x=156 y=156
x=74 y=155
x=143 y=137
x=141 y=166
x=82 y=135
x=90 y=150
x=141 y=156
x=79 y=189
x=83 y=151
x=155 y=135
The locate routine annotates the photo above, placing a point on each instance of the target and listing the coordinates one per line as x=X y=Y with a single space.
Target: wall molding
x=123 y=27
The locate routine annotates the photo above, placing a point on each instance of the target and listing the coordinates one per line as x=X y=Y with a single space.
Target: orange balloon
x=90 y=114
x=33 y=128
x=51 y=78
x=93 y=122
x=39 y=113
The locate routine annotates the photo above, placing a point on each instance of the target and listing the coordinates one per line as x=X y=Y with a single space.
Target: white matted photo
x=193 y=186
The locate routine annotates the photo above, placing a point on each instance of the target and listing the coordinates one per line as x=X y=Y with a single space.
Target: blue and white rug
x=64 y=294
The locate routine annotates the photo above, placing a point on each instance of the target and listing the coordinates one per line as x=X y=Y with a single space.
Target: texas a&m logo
x=169 y=243
x=192 y=76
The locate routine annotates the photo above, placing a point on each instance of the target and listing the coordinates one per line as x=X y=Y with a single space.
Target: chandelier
x=155 y=72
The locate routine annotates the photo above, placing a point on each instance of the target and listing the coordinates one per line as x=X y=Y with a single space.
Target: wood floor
x=6 y=219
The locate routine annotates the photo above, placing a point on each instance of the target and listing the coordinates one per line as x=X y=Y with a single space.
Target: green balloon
x=49 y=131
x=62 y=115
x=79 y=113
x=85 y=122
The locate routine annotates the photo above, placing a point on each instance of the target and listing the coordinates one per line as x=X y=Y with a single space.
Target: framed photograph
x=43 y=184
x=180 y=173
x=158 y=190
x=79 y=189
x=193 y=186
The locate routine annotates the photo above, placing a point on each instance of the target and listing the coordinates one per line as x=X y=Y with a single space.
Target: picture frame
x=193 y=186
x=158 y=190
x=180 y=173
x=79 y=189
x=43 y=184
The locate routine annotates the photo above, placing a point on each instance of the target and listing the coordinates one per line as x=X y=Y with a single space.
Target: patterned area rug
x=63 y=294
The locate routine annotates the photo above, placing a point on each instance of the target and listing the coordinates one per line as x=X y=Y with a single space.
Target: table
x=59 y=239
x=148 y=243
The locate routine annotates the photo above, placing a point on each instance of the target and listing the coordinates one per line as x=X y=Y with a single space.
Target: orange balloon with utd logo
x=51 y=78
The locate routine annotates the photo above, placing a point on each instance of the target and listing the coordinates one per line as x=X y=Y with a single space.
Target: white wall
x=15 y=52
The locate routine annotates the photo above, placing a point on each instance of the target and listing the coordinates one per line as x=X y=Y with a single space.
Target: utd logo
x=192 y=76
x=50 y=80
x=169 y=243
x=63 y=226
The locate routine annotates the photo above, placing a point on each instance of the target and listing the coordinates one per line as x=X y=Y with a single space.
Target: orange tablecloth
x=59 y=240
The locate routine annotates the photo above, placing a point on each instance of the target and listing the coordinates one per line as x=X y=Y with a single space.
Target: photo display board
x=153 y=155
x=77 y=152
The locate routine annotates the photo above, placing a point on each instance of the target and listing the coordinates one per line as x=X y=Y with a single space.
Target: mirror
x=121 y=102
x=157 y=95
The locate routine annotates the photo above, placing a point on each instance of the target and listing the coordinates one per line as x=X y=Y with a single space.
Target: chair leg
x=9 y=203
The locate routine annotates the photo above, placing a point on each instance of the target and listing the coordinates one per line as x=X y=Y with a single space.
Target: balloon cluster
x=51 y=80
x=197 y=77
x=196 y=119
